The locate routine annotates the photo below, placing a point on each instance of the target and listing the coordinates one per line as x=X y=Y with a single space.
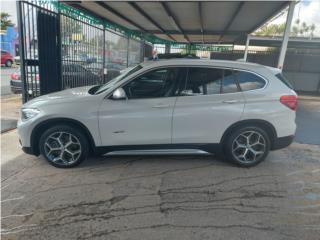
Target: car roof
x=203 y=62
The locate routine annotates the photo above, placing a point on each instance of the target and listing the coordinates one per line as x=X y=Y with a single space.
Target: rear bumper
x=282 y=142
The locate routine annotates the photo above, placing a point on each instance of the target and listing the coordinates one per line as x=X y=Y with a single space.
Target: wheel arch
x=267 y=126
x=42 y=126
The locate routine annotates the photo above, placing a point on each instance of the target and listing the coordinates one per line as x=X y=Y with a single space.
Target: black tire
x=8 y=63
x=79 y=139
x=231 y=151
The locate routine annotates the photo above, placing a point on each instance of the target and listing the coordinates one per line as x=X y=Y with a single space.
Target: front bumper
x=28 y=150
x=282 y=142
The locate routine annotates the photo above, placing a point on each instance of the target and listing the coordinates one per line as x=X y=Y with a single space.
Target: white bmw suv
x=239 y=110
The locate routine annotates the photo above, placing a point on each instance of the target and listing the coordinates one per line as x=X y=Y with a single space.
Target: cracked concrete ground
x=153 y=197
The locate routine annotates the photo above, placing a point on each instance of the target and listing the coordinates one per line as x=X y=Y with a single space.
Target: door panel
x=136 y=121
x=203 y=119
x=211 y=103
x=146 y=117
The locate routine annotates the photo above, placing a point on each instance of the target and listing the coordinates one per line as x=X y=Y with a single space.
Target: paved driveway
x=185 y=197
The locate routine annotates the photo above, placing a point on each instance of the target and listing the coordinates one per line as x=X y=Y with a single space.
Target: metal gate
x=60 y=51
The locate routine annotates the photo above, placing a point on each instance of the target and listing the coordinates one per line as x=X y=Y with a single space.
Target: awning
x=189 y=21
x=294 y=42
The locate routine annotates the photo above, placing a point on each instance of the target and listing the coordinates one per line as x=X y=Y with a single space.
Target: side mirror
x=119 y=94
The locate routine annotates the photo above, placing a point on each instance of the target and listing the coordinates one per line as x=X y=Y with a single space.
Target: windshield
x=126 y=72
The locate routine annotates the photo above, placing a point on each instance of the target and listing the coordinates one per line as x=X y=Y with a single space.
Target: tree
x=299 y=29
x=271 y=30
x=5 y=21
x=302 y=29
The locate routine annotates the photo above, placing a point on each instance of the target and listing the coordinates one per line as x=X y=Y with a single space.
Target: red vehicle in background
x=6 y=58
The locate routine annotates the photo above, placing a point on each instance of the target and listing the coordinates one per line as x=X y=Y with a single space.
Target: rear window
x=284 y=80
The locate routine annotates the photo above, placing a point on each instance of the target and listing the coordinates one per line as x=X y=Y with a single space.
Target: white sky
x=307 y=10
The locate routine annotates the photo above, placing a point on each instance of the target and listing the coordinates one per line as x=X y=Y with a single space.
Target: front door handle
x=161 y=106
x=230 y=101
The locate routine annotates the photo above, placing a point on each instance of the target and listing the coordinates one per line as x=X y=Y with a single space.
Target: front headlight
x=28 y=113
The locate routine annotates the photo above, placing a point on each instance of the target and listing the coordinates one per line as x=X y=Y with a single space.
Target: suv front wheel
x=63 y=146
x=247 y=146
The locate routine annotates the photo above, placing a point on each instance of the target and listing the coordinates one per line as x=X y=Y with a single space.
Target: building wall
x=9 y=40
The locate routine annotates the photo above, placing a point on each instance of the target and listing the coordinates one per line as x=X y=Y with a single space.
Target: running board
x=158 y=152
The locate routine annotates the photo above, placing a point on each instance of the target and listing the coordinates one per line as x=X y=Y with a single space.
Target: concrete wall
x=301 y=69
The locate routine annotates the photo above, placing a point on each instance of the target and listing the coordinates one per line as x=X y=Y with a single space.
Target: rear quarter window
x=249 y=81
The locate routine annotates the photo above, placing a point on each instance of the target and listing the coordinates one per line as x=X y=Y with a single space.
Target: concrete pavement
x=308 y=122
x=180 y=197
x=167 y=197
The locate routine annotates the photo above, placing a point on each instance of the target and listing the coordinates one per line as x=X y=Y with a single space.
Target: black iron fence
x=59 y=51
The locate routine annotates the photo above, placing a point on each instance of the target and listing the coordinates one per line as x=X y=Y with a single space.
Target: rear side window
x=284 y=80
x=229 y=82
x=208 y=81
x=203 y=81
x=249 y=81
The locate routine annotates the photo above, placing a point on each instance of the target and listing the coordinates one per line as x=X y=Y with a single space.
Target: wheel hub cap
x=249 y=146
x=62 y=148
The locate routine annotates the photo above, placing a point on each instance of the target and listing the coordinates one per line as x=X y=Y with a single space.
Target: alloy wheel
x=62 y=148
x=249 y=146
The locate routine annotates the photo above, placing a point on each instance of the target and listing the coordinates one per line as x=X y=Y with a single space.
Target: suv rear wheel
x=63 y=146
x=247 y=146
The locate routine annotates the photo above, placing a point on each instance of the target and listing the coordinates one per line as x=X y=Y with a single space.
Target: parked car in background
x=17 y=60
x=6 y=58
x=16 y=83
x=182 y=106
x=73 y=75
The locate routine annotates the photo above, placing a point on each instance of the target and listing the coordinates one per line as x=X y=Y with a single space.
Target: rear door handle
x=230 y=101
x=161 y=106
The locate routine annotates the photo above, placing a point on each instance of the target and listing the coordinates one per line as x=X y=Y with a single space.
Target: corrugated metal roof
x=187 y=21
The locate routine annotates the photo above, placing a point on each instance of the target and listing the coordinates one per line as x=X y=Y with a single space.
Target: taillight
x=15 y=76
x=291 y=101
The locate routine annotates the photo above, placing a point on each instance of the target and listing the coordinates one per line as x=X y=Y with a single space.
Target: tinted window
x=155 y=84
x=203 y=81
x=229 y=82
x=249 y=81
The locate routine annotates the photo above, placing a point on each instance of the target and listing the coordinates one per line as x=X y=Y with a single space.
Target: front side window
x=249 y=81
x=125 y=73
x=154 y=84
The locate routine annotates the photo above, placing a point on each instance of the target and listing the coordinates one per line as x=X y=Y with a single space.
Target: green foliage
x=302 y=29
x=271 y=30
x=299 y=29
x=5 y=21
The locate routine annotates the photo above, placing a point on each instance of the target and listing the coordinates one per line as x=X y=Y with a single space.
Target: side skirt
x=159 y=149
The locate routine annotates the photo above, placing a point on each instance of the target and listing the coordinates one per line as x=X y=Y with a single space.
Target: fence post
x=104 y=56
x=22 y=51
x=128 y=51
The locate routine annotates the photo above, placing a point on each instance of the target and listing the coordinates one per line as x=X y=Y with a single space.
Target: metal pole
x=247 y=48
x=167 y=48
x=21 y=50
x=128 y=44
x=104 y=57
x=285 y=39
